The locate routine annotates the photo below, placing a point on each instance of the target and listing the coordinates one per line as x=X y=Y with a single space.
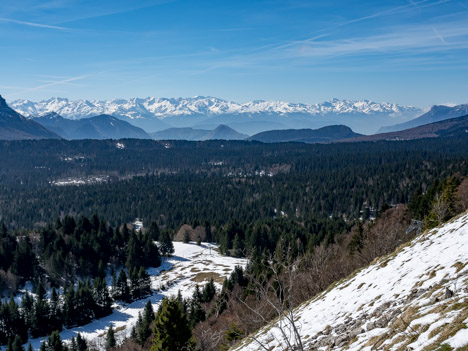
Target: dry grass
x=205 y=277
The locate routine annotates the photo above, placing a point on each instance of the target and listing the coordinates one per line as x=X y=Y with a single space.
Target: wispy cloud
x=32 y=24
x=326 y=32
x=416 y=39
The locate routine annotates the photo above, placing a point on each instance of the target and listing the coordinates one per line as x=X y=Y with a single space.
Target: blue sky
x=409 y=52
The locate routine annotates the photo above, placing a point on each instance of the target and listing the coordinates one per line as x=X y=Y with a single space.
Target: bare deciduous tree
x=440 y=207
x=274 y=294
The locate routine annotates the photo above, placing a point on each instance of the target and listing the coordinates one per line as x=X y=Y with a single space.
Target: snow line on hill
x=190 y=264
x=409 y=300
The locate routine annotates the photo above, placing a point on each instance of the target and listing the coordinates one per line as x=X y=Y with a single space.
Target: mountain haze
x=221 y=132
x=97 y=127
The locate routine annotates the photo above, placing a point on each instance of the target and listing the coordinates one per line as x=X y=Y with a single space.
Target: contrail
x=436 y=32
x=49 y=85
x=32 y=24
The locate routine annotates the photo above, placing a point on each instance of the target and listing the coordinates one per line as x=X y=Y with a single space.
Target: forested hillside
x=216 y=181
x=326 y=209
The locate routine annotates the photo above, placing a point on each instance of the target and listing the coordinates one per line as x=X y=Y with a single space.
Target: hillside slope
x=190 y=265
x=413 y=299
x=435 y=114
x=14 y=126
x=447 y=128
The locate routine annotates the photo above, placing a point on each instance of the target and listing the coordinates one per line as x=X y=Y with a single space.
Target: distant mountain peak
x=435 y=114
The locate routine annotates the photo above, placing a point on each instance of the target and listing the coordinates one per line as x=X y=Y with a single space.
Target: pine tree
x=40 y=317
x=197 y=313
x=54 y=343
x=144 y=282
x=73 y=346
x=166 y=247
x=110 y=338
x=172 y=330
x=122 y=289
x=17 y=344
x=136 y=331
x=153 y=231
x=81 y=343
x=148 y=318
x=134 y=284
x=101 y=298
x=209 y=235
x=209 y=291
x=55 y=311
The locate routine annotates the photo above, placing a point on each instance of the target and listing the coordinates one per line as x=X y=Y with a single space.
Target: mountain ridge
x=321 y=135
x=444 y=128
x=437 y=113
x=96 y=127
x=222 y=132
x=14 y=126
x=156 y=114
x=166 y=107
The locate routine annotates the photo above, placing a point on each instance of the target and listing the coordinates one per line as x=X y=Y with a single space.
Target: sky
x=408 y=52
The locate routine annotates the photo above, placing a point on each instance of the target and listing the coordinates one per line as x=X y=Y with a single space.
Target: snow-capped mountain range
x=167 y=107
x=156 y=114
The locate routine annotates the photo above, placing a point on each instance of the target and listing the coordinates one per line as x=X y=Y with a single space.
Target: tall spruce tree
x=166 y=247
x=172 y=329
x=110 y=338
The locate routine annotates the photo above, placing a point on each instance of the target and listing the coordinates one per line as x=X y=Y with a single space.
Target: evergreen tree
x=134 y=284
x=153 y=231
x=81 y=343
x=172 y=330
x=110 y=338
x=17 y=344
x=209 y=291
x=166 y=247
x=144 y=331
x=209 y=235
x=55 y=315
x=122 y=291
x=40 y=316
x=101 y=298
x=54 y=342
x=144 y=282
x=197 y=313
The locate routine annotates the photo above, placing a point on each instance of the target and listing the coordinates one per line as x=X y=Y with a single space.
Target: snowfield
x=400 y=302
x=190 y=264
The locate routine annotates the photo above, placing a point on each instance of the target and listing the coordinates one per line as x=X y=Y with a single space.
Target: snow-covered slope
x=168 y=107
x=190 y=264
x=400 y=302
